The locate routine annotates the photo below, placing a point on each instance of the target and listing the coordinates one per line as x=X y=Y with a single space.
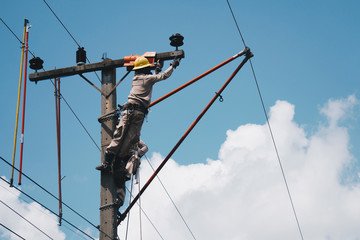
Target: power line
x=11 y=31
x=15 y=35
x=171 y=199
x=82 y=125
x=61 y=23
x=48 y=192
x=11 y=231
x=27 y=195
x=232 y=13
x=68 y=33
x=25 y=219
x=268 y=124
x=41 y=210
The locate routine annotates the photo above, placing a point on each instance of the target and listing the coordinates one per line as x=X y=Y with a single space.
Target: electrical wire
x=269 y=126
x=68 y=33
x=73 y=112
x=11 y=231
x=62 y=23
x=15 y=35
x=48 y=192
x=21 y=42
x=167 y=193
x=27 y=195
x=42 y=211
x=25 y=219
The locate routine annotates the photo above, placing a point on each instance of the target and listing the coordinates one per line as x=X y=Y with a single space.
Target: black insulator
x=36 y=63
x=80 y=56
x=176 y=40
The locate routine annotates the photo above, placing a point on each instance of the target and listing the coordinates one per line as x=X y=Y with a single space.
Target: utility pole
x=108 y=210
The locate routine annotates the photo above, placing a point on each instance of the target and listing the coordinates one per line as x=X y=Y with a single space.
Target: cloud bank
x=242 y=194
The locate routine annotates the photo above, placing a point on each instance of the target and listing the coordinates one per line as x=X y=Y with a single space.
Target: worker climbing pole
x=248 y=54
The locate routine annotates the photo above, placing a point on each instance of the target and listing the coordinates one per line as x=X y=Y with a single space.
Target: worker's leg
x=120 y=133
x=115 y=144
x=132 y=135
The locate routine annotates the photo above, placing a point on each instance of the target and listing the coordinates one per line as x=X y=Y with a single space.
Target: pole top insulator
x=36 y=63
x=80 y=56
x=176 y=40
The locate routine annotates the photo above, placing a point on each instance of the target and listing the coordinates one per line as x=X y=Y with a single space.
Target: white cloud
x=242 y=195
x=33 y=212
x=337 y=109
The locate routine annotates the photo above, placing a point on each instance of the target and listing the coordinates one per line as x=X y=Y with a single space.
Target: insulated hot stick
x=24 y=102
x=18 y=101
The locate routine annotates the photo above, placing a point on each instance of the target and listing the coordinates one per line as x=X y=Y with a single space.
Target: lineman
x=127 y=132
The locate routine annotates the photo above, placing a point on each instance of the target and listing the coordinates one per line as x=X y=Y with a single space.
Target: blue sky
x=306 y=56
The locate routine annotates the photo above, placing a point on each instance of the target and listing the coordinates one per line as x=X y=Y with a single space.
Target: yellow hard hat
x=141 y=62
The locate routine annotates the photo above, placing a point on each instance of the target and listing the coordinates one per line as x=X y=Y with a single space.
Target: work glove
x=159 y=65
x=175 y=63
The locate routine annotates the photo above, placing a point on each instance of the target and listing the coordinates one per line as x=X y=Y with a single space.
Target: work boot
x=106 y=165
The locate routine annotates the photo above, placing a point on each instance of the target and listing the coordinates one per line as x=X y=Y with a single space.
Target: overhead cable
x=15 y=35
x=268 y=124
x=27 y=195
x=25 y=219
x=61 y=23
x=42 y=211
x=11 y=231
x=73 y=112
x=68 y=33
x=48 y=192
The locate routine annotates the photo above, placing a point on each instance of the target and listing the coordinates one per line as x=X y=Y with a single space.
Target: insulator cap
x=36 y=63
x=80 y=56
x=176 y=40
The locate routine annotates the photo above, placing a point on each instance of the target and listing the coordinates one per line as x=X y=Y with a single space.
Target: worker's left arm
x=143 y=148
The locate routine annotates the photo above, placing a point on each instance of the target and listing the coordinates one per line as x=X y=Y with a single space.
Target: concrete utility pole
x=108 y=211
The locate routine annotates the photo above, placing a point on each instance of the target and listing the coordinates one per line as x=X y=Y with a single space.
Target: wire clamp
x=221 y=99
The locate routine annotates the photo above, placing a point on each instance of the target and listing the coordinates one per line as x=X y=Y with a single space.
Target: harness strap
x=137 y=107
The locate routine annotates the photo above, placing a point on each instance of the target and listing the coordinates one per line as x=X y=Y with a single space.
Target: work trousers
x=127 y=133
